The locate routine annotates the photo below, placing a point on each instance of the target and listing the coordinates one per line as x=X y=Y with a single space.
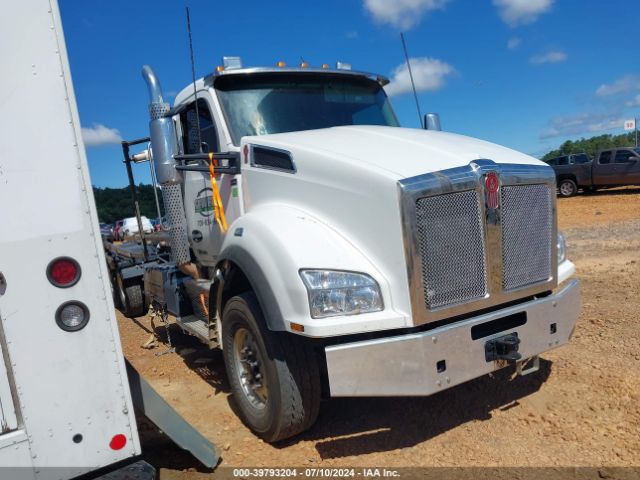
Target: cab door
x=205 y=235
x=627 y=165
x=604 y=171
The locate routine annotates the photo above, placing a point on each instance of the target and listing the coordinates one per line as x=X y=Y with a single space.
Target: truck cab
x=335 y=253
x=238 y=103
x=617 y=166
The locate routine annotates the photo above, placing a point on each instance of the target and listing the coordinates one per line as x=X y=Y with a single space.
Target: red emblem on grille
x=245 y=152
x=491 y=186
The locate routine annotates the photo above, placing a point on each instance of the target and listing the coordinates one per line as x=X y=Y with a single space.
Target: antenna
x=413 y=85
x=193 y=77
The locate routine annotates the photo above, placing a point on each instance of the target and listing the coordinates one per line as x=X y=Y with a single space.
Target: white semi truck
x=344 y=255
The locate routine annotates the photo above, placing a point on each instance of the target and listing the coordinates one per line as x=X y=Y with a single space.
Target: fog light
x=72 y=316
x=562 y=248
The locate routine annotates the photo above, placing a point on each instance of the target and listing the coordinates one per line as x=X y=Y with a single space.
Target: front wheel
x=567 y=187
x=274 y=376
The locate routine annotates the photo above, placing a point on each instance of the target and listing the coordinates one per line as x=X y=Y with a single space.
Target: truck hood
x=401 y=152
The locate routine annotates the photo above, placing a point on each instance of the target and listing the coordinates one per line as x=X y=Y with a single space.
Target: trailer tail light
x=118 y=442
x=63 y=272
x=72 y=316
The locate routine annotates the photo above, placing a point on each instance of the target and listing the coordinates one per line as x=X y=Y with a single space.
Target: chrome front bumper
x=407 y=364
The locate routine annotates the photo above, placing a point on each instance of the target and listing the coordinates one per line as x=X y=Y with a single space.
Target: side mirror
x=432 y=122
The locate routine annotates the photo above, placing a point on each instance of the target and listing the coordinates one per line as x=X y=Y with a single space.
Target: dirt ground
x=581 y=409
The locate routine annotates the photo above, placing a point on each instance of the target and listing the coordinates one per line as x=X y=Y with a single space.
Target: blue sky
x=528 y=74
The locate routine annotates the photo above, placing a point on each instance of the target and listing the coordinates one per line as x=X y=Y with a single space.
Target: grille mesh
x=527 y=229
x=451 y=243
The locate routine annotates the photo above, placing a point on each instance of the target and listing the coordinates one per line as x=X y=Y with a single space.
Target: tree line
x=590 y=146
x=116 y=203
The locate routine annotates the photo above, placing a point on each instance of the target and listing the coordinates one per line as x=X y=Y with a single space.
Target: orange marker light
x=219 y=68
x=281 y=64
x=325 y=65
x=304 y=65
x=296 y=327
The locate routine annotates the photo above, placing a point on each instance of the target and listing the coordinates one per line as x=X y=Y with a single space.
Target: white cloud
x=634 y=102
x=428 y=74
x=402 y=14
x=100 y=135
x=555 y=56
x=513 y=43
x=587 y=122
x=520 y=12
x=627 y=83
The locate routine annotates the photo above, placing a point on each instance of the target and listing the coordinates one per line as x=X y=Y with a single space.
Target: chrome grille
x=527 y=233
x=451 y=245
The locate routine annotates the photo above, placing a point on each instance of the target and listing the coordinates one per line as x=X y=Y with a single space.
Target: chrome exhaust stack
x=164 y=147
x=162 y=132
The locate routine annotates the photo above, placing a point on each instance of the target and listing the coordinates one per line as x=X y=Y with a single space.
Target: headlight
x=332 y=292
x=562 y=248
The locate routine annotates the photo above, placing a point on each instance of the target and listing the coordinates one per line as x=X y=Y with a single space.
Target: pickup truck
x=610 y=168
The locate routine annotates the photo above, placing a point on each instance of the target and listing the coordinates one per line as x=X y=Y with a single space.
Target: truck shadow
x=357 y=426
x=207 y=363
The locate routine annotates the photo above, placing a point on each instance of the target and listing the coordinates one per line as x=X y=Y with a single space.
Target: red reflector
x=118 y=442
x=63 y=272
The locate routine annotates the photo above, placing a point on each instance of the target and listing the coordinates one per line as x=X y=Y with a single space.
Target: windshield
x=277 y=103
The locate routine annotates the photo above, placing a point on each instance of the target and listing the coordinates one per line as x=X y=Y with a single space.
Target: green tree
x=590 y=146
x=116 y=203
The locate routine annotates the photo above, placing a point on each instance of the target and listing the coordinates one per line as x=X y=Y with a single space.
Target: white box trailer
x=65 y=401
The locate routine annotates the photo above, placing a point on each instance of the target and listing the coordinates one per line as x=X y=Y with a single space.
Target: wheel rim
x=566 y=188
x=249 y=367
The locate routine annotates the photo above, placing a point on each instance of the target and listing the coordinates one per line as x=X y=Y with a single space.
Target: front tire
x=567 y=188
x=274 y=376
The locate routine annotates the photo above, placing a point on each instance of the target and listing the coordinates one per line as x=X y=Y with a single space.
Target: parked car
x=130 y=226
x=610 y=168
x=106 y=231
x=116 y=231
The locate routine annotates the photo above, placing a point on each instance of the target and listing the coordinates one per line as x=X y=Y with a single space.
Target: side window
x=605 y=157
x=622 y=156
x=208 y=134
x=580 y=159
x=563 y=161
x=553 y=161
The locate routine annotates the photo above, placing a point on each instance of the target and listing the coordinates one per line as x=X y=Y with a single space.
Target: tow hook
x=533 y=366
x=503 y=348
